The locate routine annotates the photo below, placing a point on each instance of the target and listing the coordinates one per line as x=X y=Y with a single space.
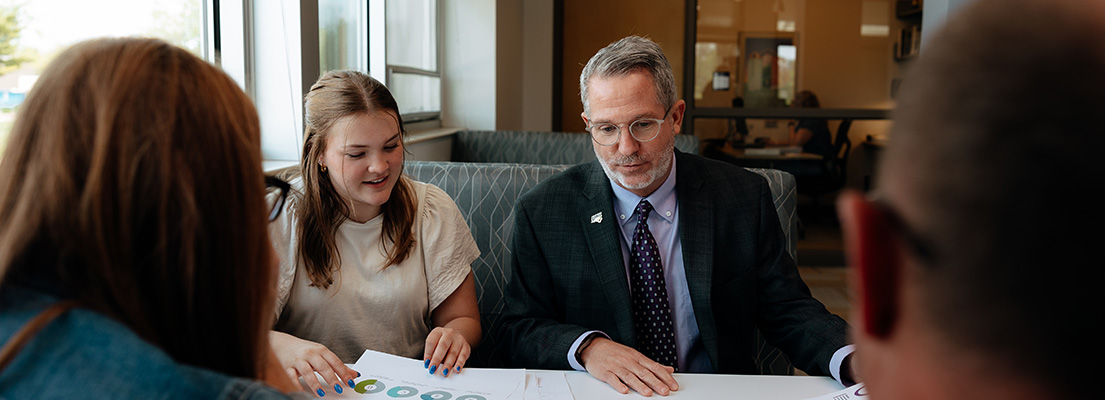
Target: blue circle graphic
x=437 y=395
x=402 y=391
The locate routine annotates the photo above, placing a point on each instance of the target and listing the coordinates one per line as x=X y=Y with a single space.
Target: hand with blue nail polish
x=446 y=349
x=456 y=329
x=303 y=358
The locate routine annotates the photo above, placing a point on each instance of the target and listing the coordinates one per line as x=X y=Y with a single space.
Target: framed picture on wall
x=768 y=68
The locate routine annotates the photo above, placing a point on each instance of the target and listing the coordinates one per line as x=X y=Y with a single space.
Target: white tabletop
x=708 y=386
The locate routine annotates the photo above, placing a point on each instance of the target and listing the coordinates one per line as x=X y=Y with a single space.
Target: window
x=33 y=33
x=412 y=48
x=343 y=35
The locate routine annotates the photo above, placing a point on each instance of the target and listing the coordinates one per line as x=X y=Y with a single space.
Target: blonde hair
x=320 y=210
x=132 y=184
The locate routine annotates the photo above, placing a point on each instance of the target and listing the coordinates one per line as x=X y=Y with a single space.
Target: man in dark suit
x=647 y=260
x=978 y=266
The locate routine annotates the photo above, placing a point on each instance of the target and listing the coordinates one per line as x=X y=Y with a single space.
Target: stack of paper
x=385 y=376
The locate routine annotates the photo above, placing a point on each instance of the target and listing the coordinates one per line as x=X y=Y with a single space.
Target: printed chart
x=854 y=392
x=385 y=377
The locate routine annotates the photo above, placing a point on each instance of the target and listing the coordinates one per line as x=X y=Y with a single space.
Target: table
x=797 y=164
x=709 y=386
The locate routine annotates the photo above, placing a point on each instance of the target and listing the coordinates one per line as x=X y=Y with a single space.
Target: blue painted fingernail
x=427 y=364
x=351 y=382
x=432 y=369
x=358 y=374
x=458 y=368
x=445 y=372
x=337 y=388
x=321 y=393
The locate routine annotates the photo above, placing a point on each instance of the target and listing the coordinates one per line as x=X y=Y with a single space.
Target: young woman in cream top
x=370 y=259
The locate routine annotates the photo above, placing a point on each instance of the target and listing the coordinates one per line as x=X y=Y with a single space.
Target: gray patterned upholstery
x=486 y=193
x=549 y=148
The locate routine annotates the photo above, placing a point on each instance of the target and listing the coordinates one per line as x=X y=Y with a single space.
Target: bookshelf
x=908 y=41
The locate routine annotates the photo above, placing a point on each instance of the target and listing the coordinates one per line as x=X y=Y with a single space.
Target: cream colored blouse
x=368 y=306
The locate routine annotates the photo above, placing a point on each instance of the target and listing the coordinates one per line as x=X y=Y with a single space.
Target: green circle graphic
x=369 y=386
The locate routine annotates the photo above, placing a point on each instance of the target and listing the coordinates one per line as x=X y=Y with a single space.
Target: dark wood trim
x=558 y=67
x=793 y=113
x=690 y=36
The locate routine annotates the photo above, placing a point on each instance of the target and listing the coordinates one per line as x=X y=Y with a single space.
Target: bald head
x=998 y=139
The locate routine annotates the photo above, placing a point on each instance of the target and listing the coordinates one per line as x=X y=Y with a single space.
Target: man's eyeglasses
x=276 y=194
x=644 y=130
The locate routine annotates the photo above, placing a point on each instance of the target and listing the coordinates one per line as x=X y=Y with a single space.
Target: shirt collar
x=662 y=199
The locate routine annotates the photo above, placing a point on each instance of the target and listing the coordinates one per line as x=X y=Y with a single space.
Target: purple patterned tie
x=651 y=312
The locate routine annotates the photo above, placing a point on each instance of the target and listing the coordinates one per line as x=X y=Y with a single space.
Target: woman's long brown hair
x=132 y=184
x=320 y=210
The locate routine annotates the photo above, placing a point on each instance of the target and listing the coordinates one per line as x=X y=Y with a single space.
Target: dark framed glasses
x=276 y=194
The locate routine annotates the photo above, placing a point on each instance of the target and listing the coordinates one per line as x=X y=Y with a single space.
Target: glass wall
x=761 y=53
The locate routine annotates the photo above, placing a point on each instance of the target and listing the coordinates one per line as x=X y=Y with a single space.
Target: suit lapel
x=606 y=252
x=696 y=234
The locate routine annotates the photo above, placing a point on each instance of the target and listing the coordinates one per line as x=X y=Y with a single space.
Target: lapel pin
x=597 y=218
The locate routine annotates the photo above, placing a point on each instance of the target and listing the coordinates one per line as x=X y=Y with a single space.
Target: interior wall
x=591 y=25
x=468 y=64
x=508 y=65
x=537 y=65
x=506 y=85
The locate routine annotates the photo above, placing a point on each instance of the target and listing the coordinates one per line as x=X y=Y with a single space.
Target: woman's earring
x=322 y=168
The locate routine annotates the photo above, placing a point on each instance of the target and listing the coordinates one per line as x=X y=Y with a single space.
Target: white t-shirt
x=367 y=306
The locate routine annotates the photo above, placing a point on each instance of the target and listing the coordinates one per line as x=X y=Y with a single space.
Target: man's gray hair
x=628 y=55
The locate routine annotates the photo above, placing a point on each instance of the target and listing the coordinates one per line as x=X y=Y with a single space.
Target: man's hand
x=624 y=368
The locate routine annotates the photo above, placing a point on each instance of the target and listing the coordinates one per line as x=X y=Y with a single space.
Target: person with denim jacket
x=134 y=254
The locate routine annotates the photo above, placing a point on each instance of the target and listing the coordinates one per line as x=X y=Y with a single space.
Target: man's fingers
x=634 y=382
x=663 y=375
x=654 y=382
x=612 y=379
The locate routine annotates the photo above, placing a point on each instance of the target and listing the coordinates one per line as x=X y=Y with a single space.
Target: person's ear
x=677 y=112
x=584 y=116
x=874 y=253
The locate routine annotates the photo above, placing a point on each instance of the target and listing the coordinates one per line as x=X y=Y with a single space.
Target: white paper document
x=384 y=376
x=854 y=392
x=543 y=385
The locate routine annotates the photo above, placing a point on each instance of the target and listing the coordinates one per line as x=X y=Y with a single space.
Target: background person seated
x=811 y=134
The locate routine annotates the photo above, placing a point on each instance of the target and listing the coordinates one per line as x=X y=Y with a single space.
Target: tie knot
x=643 y=208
